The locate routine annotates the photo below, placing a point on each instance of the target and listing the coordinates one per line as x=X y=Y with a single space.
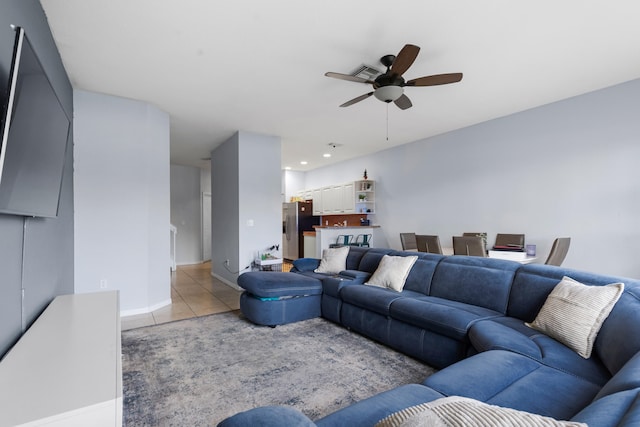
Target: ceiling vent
x=366 y=72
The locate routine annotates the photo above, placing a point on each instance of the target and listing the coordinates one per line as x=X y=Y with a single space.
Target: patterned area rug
x=199 y=371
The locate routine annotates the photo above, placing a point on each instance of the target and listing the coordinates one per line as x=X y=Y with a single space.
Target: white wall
x=246 y=201
x=292 y=182
x=186 y=213
x=564 y=169
x=260 y=203
x=121 y=196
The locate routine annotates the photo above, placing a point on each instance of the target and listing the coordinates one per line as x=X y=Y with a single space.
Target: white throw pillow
x=456 y=411
x=334 y=260
x=573 y=313
x=392 y=272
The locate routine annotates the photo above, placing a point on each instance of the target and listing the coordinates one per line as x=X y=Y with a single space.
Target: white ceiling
x=256 y=65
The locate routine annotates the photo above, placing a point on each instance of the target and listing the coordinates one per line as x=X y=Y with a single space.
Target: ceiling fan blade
x=436 y=79
x=357 y=99
x=347 y=77
x=404 y=59
x=403 y=102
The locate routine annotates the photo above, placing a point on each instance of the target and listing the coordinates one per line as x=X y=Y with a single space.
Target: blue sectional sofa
x=468 y=316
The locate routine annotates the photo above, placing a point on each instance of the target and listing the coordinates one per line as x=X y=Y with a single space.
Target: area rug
x=199 y=371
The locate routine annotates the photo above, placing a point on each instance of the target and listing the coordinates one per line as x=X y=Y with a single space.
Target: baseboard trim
x=145 y=310
x=226 y=282
x=181 y=263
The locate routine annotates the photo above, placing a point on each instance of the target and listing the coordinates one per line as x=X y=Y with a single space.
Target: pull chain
x=388 y=121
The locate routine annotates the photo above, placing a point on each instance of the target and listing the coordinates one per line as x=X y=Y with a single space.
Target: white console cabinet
x=66 y=370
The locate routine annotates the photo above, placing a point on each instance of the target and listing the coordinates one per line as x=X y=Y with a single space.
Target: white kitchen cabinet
x=316 y=195
x=348 y=204
x=328 y=201
x=350 y=198
x=336 y=194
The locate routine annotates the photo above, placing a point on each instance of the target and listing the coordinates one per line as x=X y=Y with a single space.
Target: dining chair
x=509 y=240
x=427 y=243
x=362 y=240
x=342 y=240
x=558 y=251
x=469 y=245
x=408 y=241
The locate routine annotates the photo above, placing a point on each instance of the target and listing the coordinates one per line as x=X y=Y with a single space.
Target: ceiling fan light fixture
x=388 y=93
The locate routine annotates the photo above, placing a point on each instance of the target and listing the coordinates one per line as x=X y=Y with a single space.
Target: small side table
x=271 y=264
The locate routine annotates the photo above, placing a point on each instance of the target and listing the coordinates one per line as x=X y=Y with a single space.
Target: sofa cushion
x=621 y=409
x=333 y=261
x=511 y=380
x=392 y=272
x=305 y=264
x=449 y=318
x=573 y=313
x=332 y=286
x=534 y=282
x=355 y=256
x=373 y=298
x=370 y=260
x=626 y=378
x=366 y=413
x=620 y=330
x=421 y=274
x=456 y=410
x=269 y=284
x=268 y=416
x=508 y=333
x=483 y=282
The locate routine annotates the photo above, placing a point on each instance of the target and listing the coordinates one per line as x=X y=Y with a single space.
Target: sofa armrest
x=489 y=335
x=268 y=416
x=355 y=275
x=305 y=264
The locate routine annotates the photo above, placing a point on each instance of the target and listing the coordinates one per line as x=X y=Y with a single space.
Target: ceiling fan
x=389 y=86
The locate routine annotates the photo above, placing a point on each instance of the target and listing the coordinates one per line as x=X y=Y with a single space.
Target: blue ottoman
x=275 y=298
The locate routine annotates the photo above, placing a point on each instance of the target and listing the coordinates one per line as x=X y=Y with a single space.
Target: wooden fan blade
x=358 y=99
x=347 y=77
x=436 y=79
x=403 y=102
x=404 y=59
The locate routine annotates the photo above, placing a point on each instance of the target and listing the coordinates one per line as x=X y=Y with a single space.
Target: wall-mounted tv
x=35 y=130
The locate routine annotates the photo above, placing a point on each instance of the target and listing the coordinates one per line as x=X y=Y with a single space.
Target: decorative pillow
x=573 y=313
x=333 y=261
x=392 y=272
x=456 y=411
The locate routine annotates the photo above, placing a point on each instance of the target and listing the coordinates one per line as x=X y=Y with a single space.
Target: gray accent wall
x=246 y=206
x=564 y=169
x=36 y=254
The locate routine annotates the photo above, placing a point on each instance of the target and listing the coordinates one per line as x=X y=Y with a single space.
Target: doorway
x=206 y=226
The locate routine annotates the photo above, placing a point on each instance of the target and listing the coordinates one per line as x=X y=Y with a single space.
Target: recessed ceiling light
x=304 y=162
x=287 y=168
x=326 y=155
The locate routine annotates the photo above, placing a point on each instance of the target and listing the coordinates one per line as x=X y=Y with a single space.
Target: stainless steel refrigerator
x=296 y=218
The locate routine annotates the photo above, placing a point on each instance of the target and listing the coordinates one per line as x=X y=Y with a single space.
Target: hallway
x=194 y=292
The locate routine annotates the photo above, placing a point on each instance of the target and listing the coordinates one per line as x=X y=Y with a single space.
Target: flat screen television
x=35 y=130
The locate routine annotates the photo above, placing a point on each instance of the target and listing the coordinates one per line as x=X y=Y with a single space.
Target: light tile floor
x=194 y=292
